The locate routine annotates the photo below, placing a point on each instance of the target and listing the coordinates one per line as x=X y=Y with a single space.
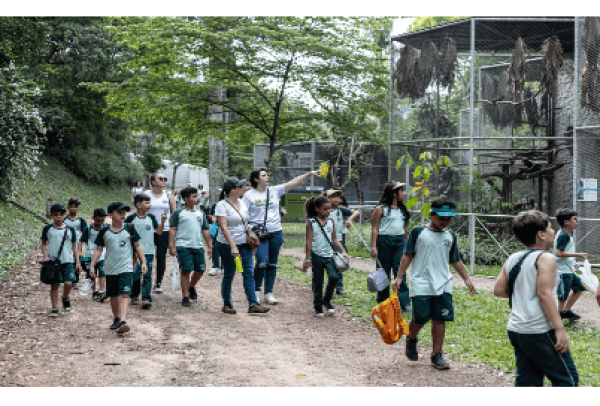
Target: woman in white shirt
x=137 y=189
x=161 y=201
x=232 y=217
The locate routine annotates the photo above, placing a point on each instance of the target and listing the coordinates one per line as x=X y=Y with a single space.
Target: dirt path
x=171 y=345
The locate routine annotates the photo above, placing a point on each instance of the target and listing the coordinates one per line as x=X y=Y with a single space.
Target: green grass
x=478 y=333
x=19 y=231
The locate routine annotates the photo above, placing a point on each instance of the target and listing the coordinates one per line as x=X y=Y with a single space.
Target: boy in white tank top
x=529 y=279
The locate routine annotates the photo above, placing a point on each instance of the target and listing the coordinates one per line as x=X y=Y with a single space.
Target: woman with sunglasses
x=161 y=201
x=389 y=221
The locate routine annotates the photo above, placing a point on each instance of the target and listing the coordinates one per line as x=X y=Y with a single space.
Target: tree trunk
x=358 y=181
x=506 y=184
x=175 y=167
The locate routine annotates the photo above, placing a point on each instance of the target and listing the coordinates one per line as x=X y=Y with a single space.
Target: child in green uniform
x=78 y=223
x=87 y=246
x=430 y=248
x=145 y=224
x=188 y=227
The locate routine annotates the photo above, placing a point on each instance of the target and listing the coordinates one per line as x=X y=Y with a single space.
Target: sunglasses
x=165 y=179
x=575 y=219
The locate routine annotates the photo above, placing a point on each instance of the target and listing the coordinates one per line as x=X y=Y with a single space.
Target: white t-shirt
x=234 y=221
x=256 y=202
x=137 y=190
x=159 y=205
x=527 y=315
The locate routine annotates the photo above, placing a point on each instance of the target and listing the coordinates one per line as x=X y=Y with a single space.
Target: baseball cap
x=332 y=192
x=99 y=212
x=444 y=211
x=116 y=206
x=57 y=207
x=231 y=183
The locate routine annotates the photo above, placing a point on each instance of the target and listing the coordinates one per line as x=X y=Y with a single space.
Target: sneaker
x=438 y=362
x=123 y=327
x=270 y=299
x=213 y=272
x=319 y=312
x=186 y=301
x=74 y=286
x=340 y=292
x=66 y=304
x=157 y=288
x=330 y=309
x=101 y=297
x=54 y=313
x=411 y=349
x=135 y=301
x=257 y=294
x=228 y=309
x=407 y=309
x=193 y=293
x=258 y=309
x=568 y=314
x=115 y=324
x=95 y=295
x=146 y=305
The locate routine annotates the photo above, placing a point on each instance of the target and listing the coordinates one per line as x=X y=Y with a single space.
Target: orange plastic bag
x=388 y=319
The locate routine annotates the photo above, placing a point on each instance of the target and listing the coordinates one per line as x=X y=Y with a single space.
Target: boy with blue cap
x=431 y=248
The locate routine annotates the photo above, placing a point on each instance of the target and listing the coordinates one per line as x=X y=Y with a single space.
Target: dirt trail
x=172 y=345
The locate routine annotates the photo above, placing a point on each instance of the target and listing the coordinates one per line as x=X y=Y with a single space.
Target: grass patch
x=19 y=231
x=478 y=333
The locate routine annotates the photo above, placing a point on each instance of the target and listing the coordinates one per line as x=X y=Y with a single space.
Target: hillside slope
x=20 y=231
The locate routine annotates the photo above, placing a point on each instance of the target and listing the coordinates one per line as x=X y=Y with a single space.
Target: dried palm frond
x=551 y=63
x=517 y=71
x=590 y=88
x=531 y=109
x=446 y=67
x=405 y=73
x=426 y=66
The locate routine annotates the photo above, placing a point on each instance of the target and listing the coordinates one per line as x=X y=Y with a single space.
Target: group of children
x=118 y=257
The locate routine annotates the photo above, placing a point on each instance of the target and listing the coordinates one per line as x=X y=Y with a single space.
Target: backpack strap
x=514 y=274
x=83 y=224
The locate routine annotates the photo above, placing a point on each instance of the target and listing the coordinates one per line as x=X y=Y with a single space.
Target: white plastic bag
x=588 y=279
x=175 y=283
x=377 y=279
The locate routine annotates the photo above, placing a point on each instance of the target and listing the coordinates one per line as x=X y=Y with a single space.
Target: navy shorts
x=120 y=284
x=98 y=270
x=438 y=308
x=571 y=282
x=66 y=273
x=190 y=260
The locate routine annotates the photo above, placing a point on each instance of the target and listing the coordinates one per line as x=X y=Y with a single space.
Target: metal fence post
x=391 y=109
x=576 y=86
x=472 y=128
x=312 y=166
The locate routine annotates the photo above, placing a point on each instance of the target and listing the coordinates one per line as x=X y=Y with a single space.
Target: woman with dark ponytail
x=388 y=237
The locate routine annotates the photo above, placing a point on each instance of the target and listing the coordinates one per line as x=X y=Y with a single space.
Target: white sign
x=587 y=190
x=315 y=188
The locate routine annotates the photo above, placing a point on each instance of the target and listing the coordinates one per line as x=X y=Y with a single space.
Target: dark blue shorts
x=117 y=285
x=190 y=259
x=438 y=308
x=571 y=282
x=98 y=271
x=66 y=273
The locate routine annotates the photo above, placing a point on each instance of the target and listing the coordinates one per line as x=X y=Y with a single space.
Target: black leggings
x=162 y=244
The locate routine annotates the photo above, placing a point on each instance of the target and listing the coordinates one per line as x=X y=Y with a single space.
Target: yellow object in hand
x=324 y=169
x=301 y=374
x=238 y=264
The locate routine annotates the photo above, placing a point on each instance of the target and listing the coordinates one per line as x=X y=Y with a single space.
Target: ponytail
x=312 y=204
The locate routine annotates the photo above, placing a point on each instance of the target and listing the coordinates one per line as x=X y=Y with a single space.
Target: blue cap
x=116 y=206
x=444 y=211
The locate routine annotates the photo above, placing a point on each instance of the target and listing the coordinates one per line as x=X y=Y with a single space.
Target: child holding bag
x=320 y=238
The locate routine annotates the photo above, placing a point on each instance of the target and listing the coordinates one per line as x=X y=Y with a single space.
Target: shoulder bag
x=50 y=269
x=251 y=238
x=341 y=263
x=261 y=229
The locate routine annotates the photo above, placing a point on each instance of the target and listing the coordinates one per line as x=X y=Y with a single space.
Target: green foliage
x=431 y=21
x=478 y=334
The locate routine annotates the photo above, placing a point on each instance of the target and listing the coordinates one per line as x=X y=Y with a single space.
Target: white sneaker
x=270 y=299
x=257 y=294
x=213 y=271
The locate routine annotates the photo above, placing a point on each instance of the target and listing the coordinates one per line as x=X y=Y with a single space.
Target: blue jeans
x=215 y=254
x=229 y=272
x=267 y=254
x=390 y=251
x=143 y=284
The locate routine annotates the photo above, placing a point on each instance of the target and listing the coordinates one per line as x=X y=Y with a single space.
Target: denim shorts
x=191 y=259
x=438 y=308
x=120 y=284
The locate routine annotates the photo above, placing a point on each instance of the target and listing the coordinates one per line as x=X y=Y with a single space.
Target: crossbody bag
x=514 y=274
x=261 y=229
x=50 y=269
x=251 y=238
x=340 y=261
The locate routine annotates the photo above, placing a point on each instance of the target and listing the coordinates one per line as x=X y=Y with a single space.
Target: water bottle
x=87 y=285
x=238 y=264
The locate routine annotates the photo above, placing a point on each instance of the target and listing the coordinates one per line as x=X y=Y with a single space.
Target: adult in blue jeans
x=216 y=263
x=389 y=221
x=232 y=217
x=267 y=254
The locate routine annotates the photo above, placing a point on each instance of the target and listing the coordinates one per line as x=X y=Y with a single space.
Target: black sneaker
x=101 y=297
x=319 y=312
x=227 y=308
x=54 y=313
x=66 y=304
x=329 y=309
x=95 y=295
x=258 y=309
x=115 y=324
x=186 y=301
x=193 y=294
x=74 y=286
x=123 y=327
x=146 y=305
x=411 y=349
x=157 y=288
x=438 y=362
x=340 y=292
x=568 y=314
